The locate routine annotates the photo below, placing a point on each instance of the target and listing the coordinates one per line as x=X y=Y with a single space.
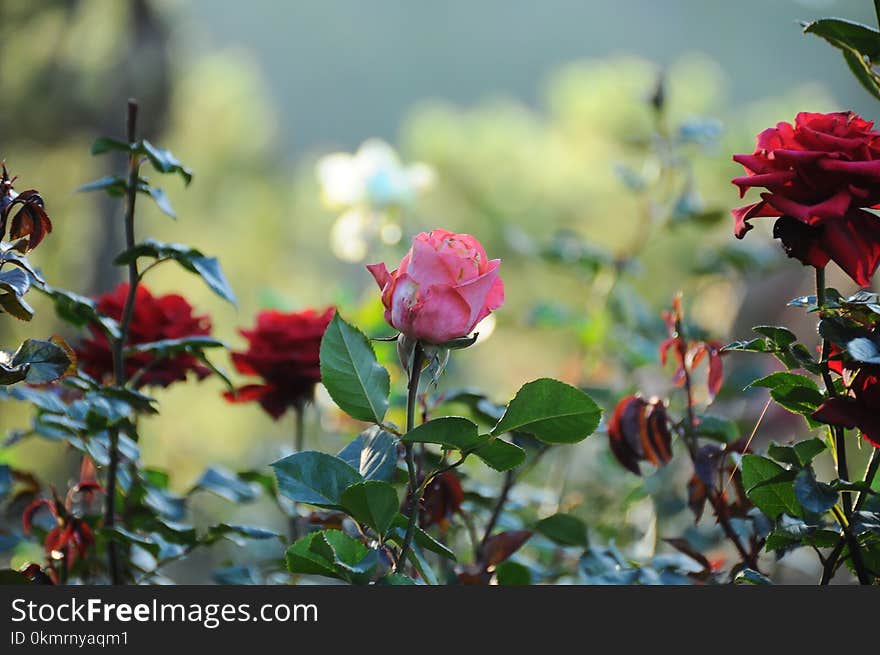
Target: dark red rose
x=820 y=174
x=155 y=318
x=283 y=350
x=639 y=431
x=860 y=408
x=28 y=211
x=442 y=499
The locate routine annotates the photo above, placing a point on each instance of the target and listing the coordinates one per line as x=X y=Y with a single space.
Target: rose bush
x=820 y=173
x=442 y=288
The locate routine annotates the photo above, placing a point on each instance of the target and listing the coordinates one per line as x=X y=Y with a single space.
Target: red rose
x=860 y=409
x=284 y=350
x=820 y=174
x=639 y=431
x=155 y=318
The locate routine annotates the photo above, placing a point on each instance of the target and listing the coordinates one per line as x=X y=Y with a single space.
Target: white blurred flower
x=351 y=234
x=374 y=176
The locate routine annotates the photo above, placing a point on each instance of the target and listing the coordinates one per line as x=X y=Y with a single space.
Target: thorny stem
x=119 y=343
x=839 y=433
x=299 y=436
x=299 y=428
x=418 y=359
x=830 y=563
x=715 y=496
x=509 y=479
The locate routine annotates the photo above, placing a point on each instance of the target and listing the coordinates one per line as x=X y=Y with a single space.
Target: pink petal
x=380 y=274
x=483 y=294
x=442 y=315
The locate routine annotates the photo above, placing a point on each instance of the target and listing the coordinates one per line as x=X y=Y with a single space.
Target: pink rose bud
x=443 y=287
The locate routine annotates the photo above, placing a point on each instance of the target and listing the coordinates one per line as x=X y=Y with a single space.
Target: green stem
x=509 y=479
x=716 y=498
x=299 y=429
x=829 y=566
x=119 y=344
x=839 y=434
x=870 y=474
x=414 y=495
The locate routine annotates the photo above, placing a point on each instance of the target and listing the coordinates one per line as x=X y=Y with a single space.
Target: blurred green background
x=536 y=120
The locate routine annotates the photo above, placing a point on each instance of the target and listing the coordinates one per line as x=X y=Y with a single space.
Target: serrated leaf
x=552 y=411
x=769 y=486
x=373 y=453
x=191 y=259
x=315 y=478
x=373 y=503
x=351 y=373
x=814 y=496
x=564 y=529
x=46 y=361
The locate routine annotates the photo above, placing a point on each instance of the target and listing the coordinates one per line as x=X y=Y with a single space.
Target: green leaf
x=225 y=484
x=397 y=580
x=80 y=310
x=814 y=496
x=208 y=268
x=552 y=411
x=232 y=531
x=113 y=185
x=45 y=360
x=449 y=431
x=159 y=197
x=164 y=161
x=13 y=285
x=779 y=336
x=351 y=559
x=422 y=538
x=751 y=577
x=373 y=453
x=105 y=144
x=373 y=503
x=859 y=44
x=717 y=428
x=564 y=529
x=301 y=559
x=769 y=486
x=315 y=478
x=796 y=393
x=351 y=374
x=512 y=574
x=171 y=347
x=501 y=455
x=799 y=454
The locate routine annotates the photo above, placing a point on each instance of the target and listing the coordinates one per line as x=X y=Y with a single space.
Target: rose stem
x=509 y=479
x=840 y=451
x=715 y=497
x=415 y=373
x=299 y=437
x=299 y=429
x=119 y=343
